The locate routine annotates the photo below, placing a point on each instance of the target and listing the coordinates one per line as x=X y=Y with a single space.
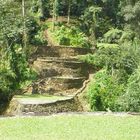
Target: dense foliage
x=14 y=47
x=121 y=64
x=70 y=36
x=104 y=91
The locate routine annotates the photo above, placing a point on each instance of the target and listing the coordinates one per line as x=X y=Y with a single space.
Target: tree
x=69 y=9
x=90 y=21
x=55 y=12
x=13 y=63
x=10 y=29
x=130 y=101
x=131 y=13
x=24 y=26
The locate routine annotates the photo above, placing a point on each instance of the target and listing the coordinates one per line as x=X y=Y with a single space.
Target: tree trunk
x=54 y=14
x=24 y=26
x=69 y=10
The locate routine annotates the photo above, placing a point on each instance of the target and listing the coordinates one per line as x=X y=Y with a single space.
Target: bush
x=130 y=101
x=118 y=60
x=113 y=36
x=72 y=36
x=118 y=87
x=14 y=71
x=64 y=41
x=7 y=80
x=116 y=36
x=32 y=28
x=104 y=91
x=39 y=39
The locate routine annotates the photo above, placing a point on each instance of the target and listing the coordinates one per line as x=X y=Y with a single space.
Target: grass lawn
x=38 y=97
x=71 y=127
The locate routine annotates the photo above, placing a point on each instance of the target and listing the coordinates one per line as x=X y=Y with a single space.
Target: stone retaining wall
x=68 y=105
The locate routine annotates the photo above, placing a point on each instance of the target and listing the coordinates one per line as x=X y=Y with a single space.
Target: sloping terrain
x=60 y=74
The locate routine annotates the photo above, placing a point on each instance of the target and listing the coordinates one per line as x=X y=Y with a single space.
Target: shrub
x=72 y=36
x=39 y=39
x=32 y=28
x=104 y=91
x=7 y=80
x=118 y=60
x=130 y=101
x=14 y=71
x=116 y=36
x=121 y=78
x=113 y=36
x=64 y=41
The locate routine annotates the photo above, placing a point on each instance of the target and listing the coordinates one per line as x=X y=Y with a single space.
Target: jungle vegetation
x=111 y=27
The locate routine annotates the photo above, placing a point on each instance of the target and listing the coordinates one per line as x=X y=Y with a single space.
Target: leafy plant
x=71 y=36
x=130 y=101
x=39 y=38
x=104 y=91
x=113 y=36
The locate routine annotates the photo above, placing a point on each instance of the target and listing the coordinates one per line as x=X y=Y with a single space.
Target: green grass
x=71 y=127
x=38 y=97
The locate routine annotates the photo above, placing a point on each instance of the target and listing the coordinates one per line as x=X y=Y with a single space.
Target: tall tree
x=55 y=12
x=69 y=9
x=90 y=21
x=24 y=26
x=131 y=13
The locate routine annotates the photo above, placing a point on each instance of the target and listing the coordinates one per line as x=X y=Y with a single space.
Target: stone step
x=54 y=85
x=60 y=51
x=60 y=71
x=47 y=67
x=41 y=106
x=58 y=61
x=49 y=59
x=72 y=60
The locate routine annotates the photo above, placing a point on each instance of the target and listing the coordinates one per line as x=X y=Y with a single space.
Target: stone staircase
x=60 y=73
